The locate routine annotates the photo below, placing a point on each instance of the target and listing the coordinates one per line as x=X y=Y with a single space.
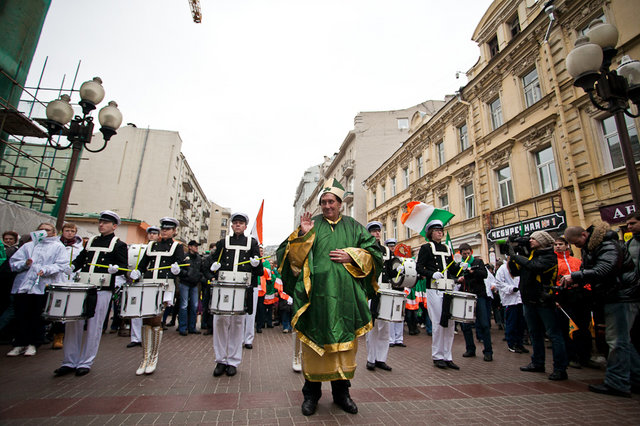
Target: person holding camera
x=537 y=274
x=607 y=266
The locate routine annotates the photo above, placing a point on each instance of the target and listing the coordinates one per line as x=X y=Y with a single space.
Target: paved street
x=267 y=392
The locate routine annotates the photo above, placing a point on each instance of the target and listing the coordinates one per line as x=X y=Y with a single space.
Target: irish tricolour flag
x=419 y=214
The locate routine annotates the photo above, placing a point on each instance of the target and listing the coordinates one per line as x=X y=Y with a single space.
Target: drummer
x=153 y=234
x=228 y=330
x=378 y=337
x=396 y=328
x=433 y=258
x=164 y=252
x=105 y=249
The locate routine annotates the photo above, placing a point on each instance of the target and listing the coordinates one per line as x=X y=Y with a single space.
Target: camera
x=520 y=244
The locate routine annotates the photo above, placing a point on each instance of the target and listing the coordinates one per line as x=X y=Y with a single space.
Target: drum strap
x=447 y=299
x=443 y=254
x=386 y=256
x=97 y=250
x=236 y=248
x=159 y=255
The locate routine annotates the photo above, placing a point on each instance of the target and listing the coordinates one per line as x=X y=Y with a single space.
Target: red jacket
x=567 y=264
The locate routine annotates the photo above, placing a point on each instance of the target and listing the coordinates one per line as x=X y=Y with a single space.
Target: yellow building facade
x=519 y=146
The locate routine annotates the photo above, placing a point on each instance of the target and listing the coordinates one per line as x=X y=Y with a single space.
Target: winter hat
x=543 y=238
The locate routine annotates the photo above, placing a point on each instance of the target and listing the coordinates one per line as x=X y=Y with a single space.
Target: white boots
x=155 y=347
x=297 y=353
x=151 y=338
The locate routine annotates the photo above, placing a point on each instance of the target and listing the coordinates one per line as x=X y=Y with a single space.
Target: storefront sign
x=617 y=213
x=549 y=222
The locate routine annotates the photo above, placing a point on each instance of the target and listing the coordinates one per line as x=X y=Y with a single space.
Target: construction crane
x=195 y=10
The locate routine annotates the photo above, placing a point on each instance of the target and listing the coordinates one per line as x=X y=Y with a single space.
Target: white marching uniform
x=378 y=337
x=442 y=337
x=77 y=354
x=250 y=320
x=134 y=258
x=229 y=330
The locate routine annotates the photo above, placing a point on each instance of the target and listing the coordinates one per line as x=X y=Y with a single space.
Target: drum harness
x=158 y=255
x=96 y=254
x=446 y=297
x=236 y=249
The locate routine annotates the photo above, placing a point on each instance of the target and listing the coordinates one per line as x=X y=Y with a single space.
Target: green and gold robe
x=330 y=299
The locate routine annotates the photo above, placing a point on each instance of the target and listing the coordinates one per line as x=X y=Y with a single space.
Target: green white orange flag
x=419 y=214
x=256 y=231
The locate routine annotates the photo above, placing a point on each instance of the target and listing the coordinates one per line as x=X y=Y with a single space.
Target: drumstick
x=106 y=266
x=138 y=258
x=460 y=270
x=167 y=267
x=71 y=257
x=402 y=264
x=247 y=261
x=445 y=269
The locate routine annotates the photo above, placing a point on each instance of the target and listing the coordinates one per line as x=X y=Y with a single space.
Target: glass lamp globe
x=603 y=34
x=91 y=94
x=110 y=119
x=583 y=62
x=60 y=110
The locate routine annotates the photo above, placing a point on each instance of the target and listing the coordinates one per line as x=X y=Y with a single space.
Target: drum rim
x=67 y=286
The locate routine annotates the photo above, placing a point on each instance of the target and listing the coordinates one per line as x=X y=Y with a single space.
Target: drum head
x=398 y=281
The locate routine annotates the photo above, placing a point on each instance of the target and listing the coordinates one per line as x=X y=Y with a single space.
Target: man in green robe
x=330 y=265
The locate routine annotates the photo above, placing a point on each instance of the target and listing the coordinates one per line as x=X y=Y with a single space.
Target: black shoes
x=346 y=403
x=134 y=344
x=608 y=390
x=82 y=371
x=309 y=407
x=468 y=354
x=452 y=365
x=391 y=345
x=259 y=330
x=439 y=363
x=248 y=346
x=532 y=368
x=521 y=349
x=382 y=365
x=63 y=371
x=402 y=345
x=371 y=366
x=488 y=357
x=183 y=333
x=207 y=332
x=231 y=370
x=219 y=370
x=195 y=332
x=558 y=375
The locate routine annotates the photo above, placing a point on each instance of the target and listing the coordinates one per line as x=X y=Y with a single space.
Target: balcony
x=186 y=185
x=347 y=167
x=185 y=204
x=183 y=222
x=206 y=213
x=204 y=227
x=348 y=197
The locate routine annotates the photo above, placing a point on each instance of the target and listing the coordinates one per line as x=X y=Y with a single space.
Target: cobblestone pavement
x=267 y=392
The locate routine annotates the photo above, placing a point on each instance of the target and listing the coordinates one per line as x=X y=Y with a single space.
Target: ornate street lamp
x=609 y=90
x=80 y=130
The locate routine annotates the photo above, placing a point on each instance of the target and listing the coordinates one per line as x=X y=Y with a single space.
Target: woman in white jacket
x=508 y=286
x=37 y=263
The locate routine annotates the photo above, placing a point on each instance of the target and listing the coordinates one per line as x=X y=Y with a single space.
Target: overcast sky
x=261 y=90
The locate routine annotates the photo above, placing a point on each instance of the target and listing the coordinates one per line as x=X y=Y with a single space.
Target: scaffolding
x=32 y=172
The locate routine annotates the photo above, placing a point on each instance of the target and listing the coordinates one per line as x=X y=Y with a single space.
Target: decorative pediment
x=465 y=175
x=518 y=67
x=499 y=157
x=537 y=136
x=441 y=188
x=491 y=92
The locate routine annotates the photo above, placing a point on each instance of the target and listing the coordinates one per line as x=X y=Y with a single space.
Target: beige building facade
x=519 y=146
x=142 y=175
x=375 y=136
x=218 y=223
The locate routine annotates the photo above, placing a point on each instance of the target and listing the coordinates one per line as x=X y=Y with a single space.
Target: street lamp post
x=80 y=130
x=609 y=90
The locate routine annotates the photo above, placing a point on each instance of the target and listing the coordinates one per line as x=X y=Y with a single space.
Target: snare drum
x=391 y=305
x=231 y=277
x=94 y=279
x=445 y=284
x=70 y=302
x=227 y=298
x=142 y=300
x=408 y=277
x=463 y=306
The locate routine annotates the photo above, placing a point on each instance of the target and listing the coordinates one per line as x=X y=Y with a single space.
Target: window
x=170 y=202
x=514 y=26
x=350 y=184
x=444 y=202
x=612 y=142
x=223 y=233
x=584 y=30
x=174 y=182
x=469 y=202
x=505 y=186
x=496 y=113
x=405 y=173
x=44 y=174
x=493 y=46
x=403 y=123
x=464 y=137
x=224 y=221
x=350 y=210
x=375 y=199
x=546 y=166
x=384 y=232
x=531 y=86
x=419 y=166
x=22 y=171
x=393 y=186
x=440 y=153
x=394 y=226
x=384 y=193
x=408 y=232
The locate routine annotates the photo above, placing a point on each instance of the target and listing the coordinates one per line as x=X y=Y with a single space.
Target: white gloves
x=400 y=269
x=167 y=298
x=68 y=270
x=175 y=269
x=254 y=261
x=464 y=266
x=290 y=301
x=215 y=266
x=135 y=274
x=437 y=275
x=112 y=269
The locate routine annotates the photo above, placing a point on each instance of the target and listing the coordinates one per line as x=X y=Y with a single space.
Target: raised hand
x=306 y=223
